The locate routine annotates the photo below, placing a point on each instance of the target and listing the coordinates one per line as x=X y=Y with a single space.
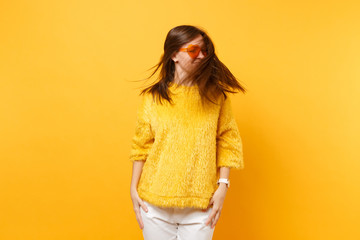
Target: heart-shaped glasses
x=193 y=50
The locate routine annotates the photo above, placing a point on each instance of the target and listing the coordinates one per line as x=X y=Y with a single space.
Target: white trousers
x=175 y=223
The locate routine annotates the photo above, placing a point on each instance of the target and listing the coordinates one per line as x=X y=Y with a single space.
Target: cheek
x=186 y=61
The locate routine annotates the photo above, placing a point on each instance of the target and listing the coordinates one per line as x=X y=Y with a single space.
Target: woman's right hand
x=137 y=203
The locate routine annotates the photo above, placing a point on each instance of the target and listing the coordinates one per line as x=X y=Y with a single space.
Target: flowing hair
x=211 y=75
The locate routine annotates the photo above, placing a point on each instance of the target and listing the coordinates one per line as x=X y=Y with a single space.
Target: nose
x=201 y=55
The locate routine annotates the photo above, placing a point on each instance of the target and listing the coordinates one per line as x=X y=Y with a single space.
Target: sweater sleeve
x=143 y=138
x=229 y=151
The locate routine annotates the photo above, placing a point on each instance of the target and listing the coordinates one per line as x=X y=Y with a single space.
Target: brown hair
x=212 y=76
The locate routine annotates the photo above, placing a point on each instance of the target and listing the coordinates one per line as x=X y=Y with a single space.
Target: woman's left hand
x=217 y=201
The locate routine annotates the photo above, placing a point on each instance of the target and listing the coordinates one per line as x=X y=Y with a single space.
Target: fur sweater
x=183 y=146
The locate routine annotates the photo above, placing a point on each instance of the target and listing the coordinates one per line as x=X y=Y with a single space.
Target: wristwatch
x=224 y=180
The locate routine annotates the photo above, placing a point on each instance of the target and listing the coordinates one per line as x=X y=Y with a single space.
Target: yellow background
x=69 y=99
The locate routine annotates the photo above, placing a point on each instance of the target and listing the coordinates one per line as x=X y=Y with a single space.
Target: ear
x=174 y=57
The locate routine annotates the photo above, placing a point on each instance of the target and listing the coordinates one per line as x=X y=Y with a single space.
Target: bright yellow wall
x=68 y=111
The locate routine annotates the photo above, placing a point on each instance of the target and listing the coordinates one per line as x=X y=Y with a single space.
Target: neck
x=179 y=78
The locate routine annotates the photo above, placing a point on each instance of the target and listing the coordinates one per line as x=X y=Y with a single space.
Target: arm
x=137 y=201
x=136 y=173
x=229 y=155
x=141 y=145
x=224 y=173
x=218 y=198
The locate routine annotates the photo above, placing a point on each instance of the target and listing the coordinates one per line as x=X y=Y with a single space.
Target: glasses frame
x=196 y=54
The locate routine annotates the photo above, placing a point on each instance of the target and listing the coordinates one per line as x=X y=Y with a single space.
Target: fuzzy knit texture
x=183 y=146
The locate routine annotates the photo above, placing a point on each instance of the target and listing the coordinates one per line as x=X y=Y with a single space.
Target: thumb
x=143 y=205
x=211 y=202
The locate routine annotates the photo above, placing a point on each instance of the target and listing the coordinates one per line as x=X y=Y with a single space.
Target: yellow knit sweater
x=183 y=146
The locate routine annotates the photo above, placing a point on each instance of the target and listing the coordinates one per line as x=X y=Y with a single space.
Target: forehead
x=198 y=41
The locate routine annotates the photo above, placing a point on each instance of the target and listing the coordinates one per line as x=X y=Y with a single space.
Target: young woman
x=186 y=140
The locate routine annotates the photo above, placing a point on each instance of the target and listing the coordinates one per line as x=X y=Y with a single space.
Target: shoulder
x=224 y=99
x=146 y=99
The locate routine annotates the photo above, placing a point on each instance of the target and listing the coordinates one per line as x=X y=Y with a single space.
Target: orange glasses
x=193 y=51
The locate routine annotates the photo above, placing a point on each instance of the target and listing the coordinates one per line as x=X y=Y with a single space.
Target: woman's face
x=183 y=61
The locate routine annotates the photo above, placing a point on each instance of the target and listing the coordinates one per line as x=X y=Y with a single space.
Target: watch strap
x=224 y=180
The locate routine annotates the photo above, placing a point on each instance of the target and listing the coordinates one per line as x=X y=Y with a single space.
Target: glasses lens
x=193 y=51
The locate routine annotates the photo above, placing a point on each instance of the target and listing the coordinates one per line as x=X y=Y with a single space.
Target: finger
x=216 y=219
x=143 y=205
x=139 y=219
x=212 y=214
x=141 y=223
